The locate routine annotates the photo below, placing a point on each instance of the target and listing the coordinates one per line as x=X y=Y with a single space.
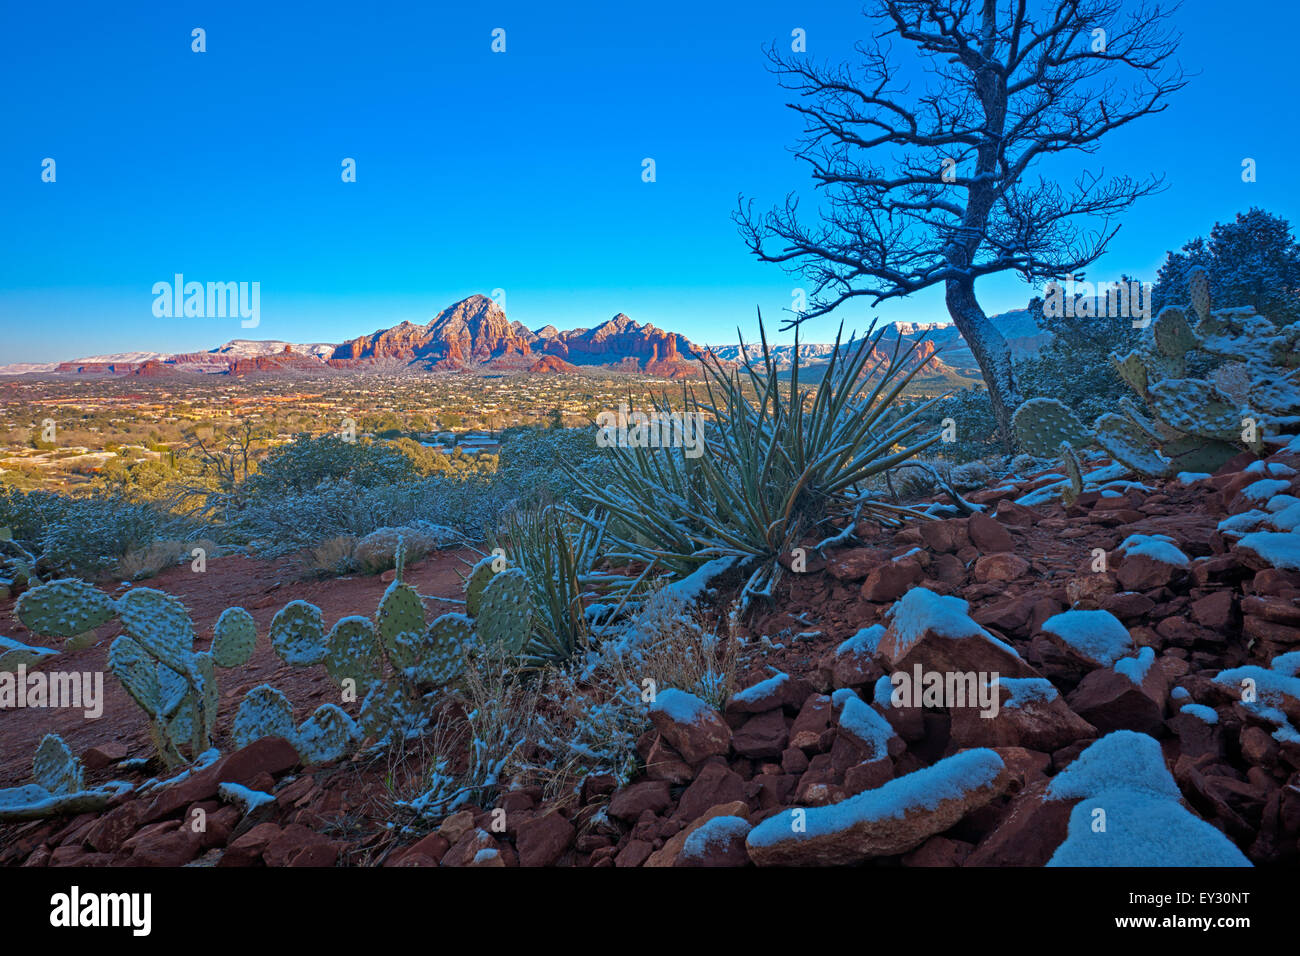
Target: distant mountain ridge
x=475 y=334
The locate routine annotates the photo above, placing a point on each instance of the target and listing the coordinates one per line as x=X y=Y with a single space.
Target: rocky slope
x=1125 y=630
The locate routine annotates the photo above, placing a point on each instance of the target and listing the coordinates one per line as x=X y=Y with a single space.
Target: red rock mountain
x=476 y=332
x=472 y=333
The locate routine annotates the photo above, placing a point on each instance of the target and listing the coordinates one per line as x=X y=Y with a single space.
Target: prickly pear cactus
x=211 y=696
x=298 y=634
x=233 y=637
x=264 y=712
x=400 y=612
x=1126 y=442
x=55 y=768
x=353 y=652
x=328 y=734
x=445 y=644
x=64 y=608
x=385 y=712
x=138 y=672
x=1041 y=424
x=1198 y=283
x=475 y=582
x=1070 y=461
x=1195 y=425
x=505 y=612
x=160 y=624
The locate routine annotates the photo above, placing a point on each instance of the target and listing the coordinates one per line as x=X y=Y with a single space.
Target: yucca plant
x=539 y=542
x=776 y=461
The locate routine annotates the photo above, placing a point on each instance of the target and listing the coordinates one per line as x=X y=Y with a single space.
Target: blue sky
x=477 y=171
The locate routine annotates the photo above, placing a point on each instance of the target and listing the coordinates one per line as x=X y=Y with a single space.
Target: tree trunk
x=991 y=352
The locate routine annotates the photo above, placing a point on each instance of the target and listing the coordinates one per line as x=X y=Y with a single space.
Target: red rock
x=780 y=690
x=1110 y=701
x=628 y=803
x=246 y=850
x=690 y=726
x=1275 y=609
x=1128 y=605
x=793 y=760
x=113 y=829
x=170 y=847
x=716 y=784
x=1216 y=611
x=868 y=775
x=426 y=852
x=467 y=848
x=890 y=581
x=1011 y=616
x=1138 y=572
x=665 y=763
x=76 y=856
x=938 y=851
x=634 y=854
x=597 y=785
x=1028 y=834
x=1000 y=567
x=718 y=842
x=763 y=735
x=987 y=534
x=1043 y=725
x=97 y=758
x=855 y=563
x=1018 y=516
x=543 y=840
x=865 y=828
x=949 y=535
x=813 y=721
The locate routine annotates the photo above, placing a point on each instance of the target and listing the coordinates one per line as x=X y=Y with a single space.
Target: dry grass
x=332 y=558
x=148 y=561
x=477 y=745
x=675 y=649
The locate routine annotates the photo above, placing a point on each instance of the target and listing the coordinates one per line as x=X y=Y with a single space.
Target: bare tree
x=227 y=457
x=931 y=187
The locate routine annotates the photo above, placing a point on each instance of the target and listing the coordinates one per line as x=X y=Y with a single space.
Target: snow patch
x=1098 y=635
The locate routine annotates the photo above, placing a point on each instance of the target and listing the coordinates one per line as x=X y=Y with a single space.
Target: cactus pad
x=1129 y=445
x=353 y=651
x=1173 y=337
x=298 y=634
x=264 y=712
x=445 y=644
x=475 y=582
x=138 y=672
x=1071 y=463
x=1198 y=283
x=233 y=637
x=1132 y=368
x=506 y=611
x=400 y=612
x=55 y=768
x=1041 y=424
x=64 y=608
x=328 y=734
x=1195 y=407
x=160 y=624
